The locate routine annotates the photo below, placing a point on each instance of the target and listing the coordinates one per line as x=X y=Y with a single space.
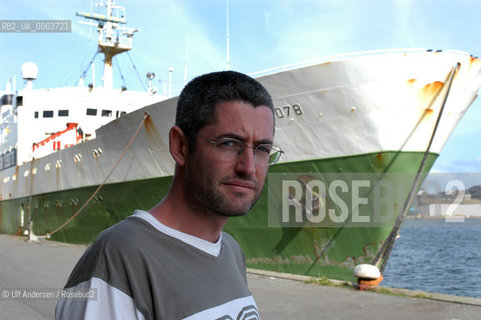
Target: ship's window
x=48 y=114
x=36 y=115
x=63 y=113
x=91 y=112
x=120 y=113
x=106 y=113
x=6 y=99
x=19 y=101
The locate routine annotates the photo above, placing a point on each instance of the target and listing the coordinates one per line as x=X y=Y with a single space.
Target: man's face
x=229 y=187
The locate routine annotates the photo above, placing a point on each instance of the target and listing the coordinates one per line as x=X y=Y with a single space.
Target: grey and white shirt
x=143 y=269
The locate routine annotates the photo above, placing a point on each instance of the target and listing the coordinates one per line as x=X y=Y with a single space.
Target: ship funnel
x=29 y=73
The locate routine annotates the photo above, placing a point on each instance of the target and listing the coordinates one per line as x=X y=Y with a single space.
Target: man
x=174 y=262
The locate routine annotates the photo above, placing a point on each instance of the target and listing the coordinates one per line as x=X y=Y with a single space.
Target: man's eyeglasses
x=265 y=154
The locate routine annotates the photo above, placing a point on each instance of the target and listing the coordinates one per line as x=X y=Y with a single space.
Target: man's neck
x=177 y=215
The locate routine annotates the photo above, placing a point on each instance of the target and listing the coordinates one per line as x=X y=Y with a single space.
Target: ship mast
x=114 y=37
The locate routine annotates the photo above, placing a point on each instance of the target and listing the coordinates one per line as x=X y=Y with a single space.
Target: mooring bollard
x=367 y=275
x=31 y=236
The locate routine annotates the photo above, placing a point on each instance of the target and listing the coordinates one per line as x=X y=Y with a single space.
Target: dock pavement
x=41 y=270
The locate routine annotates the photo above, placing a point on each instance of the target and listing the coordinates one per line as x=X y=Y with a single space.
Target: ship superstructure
x=58 y=118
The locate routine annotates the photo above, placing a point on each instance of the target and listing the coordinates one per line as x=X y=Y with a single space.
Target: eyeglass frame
x=244 y=145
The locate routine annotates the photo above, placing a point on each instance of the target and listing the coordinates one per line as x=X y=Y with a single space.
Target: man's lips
x=240 y=185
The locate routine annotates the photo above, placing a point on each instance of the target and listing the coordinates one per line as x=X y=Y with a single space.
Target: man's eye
x=228 y=144
x=264 y=148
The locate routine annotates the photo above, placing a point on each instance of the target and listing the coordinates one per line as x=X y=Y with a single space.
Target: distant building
x=452 y=209
x=456 y=203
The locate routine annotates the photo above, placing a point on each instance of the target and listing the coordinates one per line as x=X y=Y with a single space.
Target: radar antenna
x=114 y=37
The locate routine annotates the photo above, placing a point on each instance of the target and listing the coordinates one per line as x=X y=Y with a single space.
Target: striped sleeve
x=106 y=302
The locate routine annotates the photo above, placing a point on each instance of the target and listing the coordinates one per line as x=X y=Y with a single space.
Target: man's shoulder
x=108 y=251
x=232 y=245
x=123 y=232
x=228 y=238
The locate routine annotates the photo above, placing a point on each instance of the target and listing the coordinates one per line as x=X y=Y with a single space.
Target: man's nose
x=246 y=162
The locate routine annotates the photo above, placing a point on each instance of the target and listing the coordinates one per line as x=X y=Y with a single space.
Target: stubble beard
x=206 y=196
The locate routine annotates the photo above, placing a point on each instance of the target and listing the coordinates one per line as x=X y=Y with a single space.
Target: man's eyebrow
x=240 y=138
x=264 y=141
x=230 y=135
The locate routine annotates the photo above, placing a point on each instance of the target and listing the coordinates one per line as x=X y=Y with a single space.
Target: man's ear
x=178 y=145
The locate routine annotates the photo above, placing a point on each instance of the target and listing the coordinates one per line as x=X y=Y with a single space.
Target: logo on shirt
x=247 y=313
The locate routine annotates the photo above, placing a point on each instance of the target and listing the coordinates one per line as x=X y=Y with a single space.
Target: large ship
x=76 y=160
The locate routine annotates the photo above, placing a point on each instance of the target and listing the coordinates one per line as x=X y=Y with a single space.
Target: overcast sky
x=263 y=34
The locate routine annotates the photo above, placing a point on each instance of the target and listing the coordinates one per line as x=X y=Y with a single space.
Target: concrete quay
x=42 y=269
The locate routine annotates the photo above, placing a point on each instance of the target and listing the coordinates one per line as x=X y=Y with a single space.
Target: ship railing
x=345 y=56
x=118 y=38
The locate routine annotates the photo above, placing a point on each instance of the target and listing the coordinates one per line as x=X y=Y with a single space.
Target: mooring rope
x=385 y=252
x=146 y=115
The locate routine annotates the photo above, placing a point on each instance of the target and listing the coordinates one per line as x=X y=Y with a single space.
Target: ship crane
x=114 y=38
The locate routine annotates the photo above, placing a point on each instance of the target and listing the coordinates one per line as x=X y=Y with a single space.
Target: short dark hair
x=199 y=98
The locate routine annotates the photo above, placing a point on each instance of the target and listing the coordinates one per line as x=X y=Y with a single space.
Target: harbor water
x=437 y=256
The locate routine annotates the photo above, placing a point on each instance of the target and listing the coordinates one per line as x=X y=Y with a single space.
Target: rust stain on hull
x=473 y=60
x=427 y=95
x=152 y=133
x=432 y=88
x=379 y=158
